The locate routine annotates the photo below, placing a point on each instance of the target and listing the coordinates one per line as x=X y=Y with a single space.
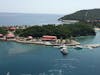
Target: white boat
x=64 y=50
x=8 y=73
x=78 y=47
x=62 y=46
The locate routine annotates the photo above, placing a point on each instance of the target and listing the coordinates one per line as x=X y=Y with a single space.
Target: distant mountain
x=27 y=19
x=91 y=14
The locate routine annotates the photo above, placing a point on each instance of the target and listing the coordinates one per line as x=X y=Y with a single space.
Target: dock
x=92 y=45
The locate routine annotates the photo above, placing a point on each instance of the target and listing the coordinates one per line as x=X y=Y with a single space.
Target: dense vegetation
x=83 y=15
x=61 y=31
x=3 y=31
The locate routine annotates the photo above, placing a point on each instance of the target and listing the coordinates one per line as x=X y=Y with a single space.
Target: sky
x=47 y=6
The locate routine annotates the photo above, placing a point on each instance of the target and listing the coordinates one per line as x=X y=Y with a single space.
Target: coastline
x=71 y=43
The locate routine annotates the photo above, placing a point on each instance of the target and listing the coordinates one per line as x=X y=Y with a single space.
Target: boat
x=62 y=46
x=8 y=73
x=64 y=50
x=78 y=47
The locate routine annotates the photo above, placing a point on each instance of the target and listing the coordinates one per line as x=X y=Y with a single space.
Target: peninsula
x=54 y=34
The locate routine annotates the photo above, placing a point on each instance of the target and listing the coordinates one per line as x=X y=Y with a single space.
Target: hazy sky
x=47 y=6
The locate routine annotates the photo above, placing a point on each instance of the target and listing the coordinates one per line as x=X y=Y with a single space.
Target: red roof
x=46 y=36
x=49 y=38
x=12 y=28
x=30 y=37
x=10 y=35
x=1 y=35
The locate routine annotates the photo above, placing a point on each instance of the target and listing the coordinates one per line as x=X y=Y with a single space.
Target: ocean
x=30 y=59
x=28 y=19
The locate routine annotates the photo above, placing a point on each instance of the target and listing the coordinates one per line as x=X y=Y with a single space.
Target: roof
x=49 y=38
x=12 y=28
x=45 y=39
x=30 y=37
x=10 y=35
x=1 y=35
x=46 y=36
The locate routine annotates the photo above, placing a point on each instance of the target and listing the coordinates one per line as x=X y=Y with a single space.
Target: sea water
x=9 y=19
x=29 y=59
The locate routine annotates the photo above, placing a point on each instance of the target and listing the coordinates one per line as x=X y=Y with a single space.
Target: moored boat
x=78 y=47
x=8 y=73
x=64 y=50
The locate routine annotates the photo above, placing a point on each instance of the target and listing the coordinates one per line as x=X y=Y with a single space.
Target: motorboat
x=8 y=73
x=62 y=46
x=64 y=50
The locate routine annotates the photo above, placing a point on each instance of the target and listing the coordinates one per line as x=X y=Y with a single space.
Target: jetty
x=89 y=46
x=92 y=45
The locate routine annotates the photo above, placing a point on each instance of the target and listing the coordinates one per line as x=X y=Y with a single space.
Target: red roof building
x=12 y=28
x=10 y=35
x=30 y=37
x=49 y=38
x=1 y=35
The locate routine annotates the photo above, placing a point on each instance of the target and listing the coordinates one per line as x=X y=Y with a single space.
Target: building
x=49 y=38
x=10 y=36
x=1 y=35
x=12 y=28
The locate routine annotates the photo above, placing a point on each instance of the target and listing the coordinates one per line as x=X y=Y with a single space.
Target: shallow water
x=29 y=59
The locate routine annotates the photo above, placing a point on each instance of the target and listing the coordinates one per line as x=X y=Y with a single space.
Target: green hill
x=92 y=14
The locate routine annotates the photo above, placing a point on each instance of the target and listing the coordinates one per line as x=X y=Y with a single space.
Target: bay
x=29 y=59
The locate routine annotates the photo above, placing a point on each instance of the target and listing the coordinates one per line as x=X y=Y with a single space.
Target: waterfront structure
x=29 y=38
x=10 y=36
x=49 y=38
x=1 y=35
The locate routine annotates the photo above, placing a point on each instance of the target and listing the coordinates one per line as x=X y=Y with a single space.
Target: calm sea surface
x=29 y=59
x=28 y=19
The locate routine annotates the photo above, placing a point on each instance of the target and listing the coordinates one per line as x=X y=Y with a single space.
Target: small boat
x=64 y=50
x=62 y=46
x=8 y=73
x=78 y=47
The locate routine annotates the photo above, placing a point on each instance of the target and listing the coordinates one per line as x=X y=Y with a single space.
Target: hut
x=49 y=38
x=10 y=36
x=1 y=35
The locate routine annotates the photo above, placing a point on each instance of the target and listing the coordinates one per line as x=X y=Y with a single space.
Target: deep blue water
x=29 y=59
x=28 y=19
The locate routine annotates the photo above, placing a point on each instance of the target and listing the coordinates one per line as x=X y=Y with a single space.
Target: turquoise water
x=29 y=59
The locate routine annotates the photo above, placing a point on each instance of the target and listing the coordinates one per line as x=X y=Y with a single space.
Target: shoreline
x=71 y=43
